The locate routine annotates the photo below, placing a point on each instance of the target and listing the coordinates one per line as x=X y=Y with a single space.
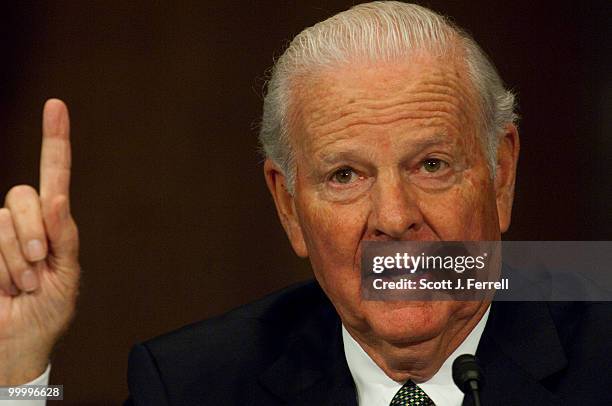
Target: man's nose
x=395 y=209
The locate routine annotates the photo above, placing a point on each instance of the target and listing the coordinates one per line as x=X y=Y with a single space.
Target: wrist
x=20 y=366
x=21 y=374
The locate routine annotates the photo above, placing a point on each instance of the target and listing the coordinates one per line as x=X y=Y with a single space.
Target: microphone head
x=467 y=374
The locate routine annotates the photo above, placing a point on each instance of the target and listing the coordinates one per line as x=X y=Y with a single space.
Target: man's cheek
x=454 y=214
x=474 y=210
x=336 y=232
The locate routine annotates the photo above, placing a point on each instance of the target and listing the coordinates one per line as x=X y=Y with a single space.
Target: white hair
x=379 y=31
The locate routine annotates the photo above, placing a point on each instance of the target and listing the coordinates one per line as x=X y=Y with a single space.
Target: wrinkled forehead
x=354 y=98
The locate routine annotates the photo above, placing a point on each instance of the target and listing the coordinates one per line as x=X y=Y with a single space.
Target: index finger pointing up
x=55 y=157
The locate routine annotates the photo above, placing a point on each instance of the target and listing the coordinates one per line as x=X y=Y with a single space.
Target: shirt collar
x=374 y=387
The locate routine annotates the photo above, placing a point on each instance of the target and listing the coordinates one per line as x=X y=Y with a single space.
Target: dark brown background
x=175 y=219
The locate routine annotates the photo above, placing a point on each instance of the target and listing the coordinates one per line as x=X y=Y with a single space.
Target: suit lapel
x=313 y=370
x=519 y=348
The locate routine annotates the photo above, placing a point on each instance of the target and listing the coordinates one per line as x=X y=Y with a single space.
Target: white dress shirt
x=41 y=380
x=375 y=388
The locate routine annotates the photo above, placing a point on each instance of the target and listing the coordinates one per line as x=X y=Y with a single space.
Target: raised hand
x=39 y=268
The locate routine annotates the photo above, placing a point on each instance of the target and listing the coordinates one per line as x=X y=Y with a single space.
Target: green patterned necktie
x=411 y=395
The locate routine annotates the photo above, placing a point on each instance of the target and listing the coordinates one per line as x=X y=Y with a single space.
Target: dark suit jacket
x=287 y=349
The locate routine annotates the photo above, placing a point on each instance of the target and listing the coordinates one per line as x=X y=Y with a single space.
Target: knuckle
x=74 y=237
x=6 y=225
x=5 y=215
x=11 y=249
x=20 y=192
x=70 y=231
x=71 y=241
x=5 y=279
x=6 y=239
x=74 y=231
x=23 y=203
x=18 y=268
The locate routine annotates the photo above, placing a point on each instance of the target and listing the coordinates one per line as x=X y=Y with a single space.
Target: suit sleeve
x=144 y=379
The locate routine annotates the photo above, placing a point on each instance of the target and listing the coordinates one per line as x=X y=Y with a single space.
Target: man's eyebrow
x=346 y=154
x=429 y=140
x=415 y=145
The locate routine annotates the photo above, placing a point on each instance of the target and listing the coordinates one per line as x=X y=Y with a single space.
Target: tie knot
x=411 y=395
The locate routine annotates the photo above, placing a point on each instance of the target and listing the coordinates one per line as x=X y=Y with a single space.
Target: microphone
x=468 y=376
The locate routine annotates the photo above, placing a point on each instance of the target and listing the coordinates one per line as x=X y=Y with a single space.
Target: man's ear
x=285 y=207
x=505 y=175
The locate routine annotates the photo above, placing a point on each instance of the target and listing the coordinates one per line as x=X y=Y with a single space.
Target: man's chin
x=407 y=322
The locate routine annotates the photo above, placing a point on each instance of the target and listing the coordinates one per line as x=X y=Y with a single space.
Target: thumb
x=62 y=233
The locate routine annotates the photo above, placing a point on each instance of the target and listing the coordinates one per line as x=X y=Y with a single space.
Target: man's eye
x=344 y=176
x=432 y=165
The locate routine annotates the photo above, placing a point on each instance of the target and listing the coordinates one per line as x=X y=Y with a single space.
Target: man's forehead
x=422 y=92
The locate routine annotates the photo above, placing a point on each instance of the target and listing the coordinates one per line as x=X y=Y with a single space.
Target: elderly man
x=383 y=123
